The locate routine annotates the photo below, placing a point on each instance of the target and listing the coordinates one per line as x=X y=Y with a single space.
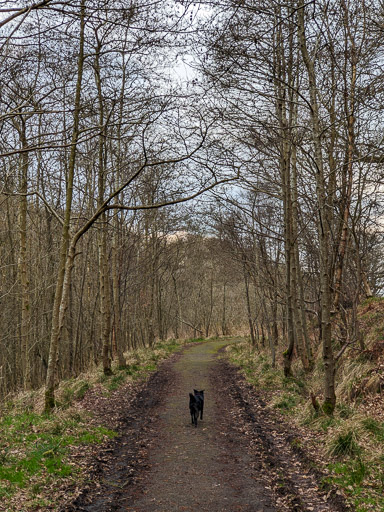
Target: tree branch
x=25 y=10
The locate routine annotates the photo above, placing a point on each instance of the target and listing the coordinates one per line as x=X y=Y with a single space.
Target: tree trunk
x=301 y=340
x=224 y=312
x=283 y=71
x=323 y=225
x=59 y=325
x=22 y=266
x=105 y=312
x=58 y=306
x=117 y=240
x=348 y=166
x=116 y=296
x=249 y=311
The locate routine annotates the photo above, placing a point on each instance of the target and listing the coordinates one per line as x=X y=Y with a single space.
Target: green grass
x=317 y=421
x=344 y=411
x=194 y=340
x=115 y=381
x=354 y=446
x=141 y=362
x=294 y=385
x=256 y=366
x=351 y=476
x=71 y=390
x=37 y=446
x=327 y=422
x=286 y=403
x=370 y=300
x=82 y=388
x=348 y=473
x=344 y=444
x=132 y=369
x=374 y=427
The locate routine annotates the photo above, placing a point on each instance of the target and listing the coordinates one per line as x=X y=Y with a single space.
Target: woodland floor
x=240 y=458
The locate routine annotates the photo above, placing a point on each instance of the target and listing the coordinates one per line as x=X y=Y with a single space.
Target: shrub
x=345 y=444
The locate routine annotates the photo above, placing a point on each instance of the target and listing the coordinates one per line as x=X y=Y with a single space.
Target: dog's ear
x=195 y=391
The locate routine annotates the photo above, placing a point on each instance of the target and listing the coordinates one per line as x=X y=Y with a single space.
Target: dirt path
x=238 y=459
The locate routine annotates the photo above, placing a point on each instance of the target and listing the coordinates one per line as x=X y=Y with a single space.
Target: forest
x=176 y=170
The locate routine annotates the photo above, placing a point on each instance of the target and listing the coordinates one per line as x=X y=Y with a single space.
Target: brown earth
x=240 y=458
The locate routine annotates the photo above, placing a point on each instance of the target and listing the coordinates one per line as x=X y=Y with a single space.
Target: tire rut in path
x=201 y=468
x=215 y=467
x=298 y=485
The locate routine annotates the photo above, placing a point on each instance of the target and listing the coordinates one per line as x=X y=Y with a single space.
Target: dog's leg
x=201 y=413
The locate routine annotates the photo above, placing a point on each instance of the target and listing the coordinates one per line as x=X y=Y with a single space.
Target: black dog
x=196 y=405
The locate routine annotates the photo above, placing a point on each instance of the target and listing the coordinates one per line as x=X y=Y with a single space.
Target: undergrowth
x=349 y=444
x=140 y=363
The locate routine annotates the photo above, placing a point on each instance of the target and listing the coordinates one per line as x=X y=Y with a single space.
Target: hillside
x=348 y=446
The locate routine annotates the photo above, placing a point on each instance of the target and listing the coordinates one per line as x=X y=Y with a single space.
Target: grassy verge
x=34 y=452
x=349 y=446
x=41 y=454
x=140 y=363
